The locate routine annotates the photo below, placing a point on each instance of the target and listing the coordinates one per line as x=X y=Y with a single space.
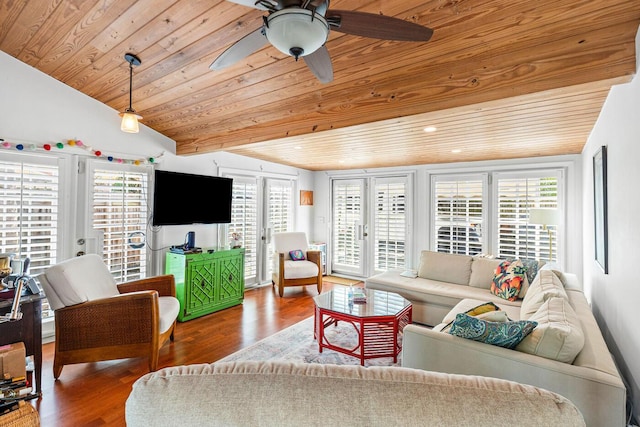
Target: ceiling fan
x=300 y=28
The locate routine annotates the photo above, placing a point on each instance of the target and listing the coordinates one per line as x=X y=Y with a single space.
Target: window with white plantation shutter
x=390 y=223
x=244 y=221
x=458 y=214
x=120 y=213
x=516 y=194
x=347 y=215
x=29 y=213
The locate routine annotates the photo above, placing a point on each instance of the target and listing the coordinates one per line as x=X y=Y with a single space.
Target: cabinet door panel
x=202 y=290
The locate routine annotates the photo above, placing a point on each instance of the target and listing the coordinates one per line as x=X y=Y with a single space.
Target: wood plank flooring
x=94 y=394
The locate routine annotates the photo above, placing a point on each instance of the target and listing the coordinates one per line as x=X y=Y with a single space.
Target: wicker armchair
x=97 y=319
x=287 y=272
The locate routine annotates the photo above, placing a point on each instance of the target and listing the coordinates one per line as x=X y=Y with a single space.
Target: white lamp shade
x=544 y=216
x=130 y=122
x=296 y=28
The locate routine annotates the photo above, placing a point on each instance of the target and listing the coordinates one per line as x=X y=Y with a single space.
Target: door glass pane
x=120 y=214
x=279 y=196
x=244 y=222
x=347 y=225
x=390 y=223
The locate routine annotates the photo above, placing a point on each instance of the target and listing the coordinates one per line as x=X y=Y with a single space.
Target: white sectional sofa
x=443 y=281
x=292 y=394
x=566 y=352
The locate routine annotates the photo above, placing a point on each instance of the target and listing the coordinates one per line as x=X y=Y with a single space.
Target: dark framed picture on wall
x=600 y=208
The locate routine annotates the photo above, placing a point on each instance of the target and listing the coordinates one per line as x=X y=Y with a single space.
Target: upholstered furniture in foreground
x=288 y=271
x=565 y=353
x=289 y=394
x=97 y=319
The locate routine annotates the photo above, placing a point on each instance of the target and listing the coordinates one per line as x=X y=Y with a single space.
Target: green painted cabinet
x=207 y=282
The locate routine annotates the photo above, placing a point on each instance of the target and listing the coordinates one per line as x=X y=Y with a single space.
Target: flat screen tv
x=183 y=198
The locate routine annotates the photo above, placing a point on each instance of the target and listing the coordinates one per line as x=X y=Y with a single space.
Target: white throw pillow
x=545 y=285
x=558 y=335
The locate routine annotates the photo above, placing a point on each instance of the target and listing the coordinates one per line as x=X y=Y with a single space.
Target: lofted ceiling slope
x=499 y=79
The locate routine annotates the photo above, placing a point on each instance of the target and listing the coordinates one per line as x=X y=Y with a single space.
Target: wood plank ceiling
x=499 y=79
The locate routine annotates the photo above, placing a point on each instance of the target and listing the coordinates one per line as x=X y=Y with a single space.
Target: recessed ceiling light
x=430 y=129
x=297 y=147
x=340 y=161
x=456 y=151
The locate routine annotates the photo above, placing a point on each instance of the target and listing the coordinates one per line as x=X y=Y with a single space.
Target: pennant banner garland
x=76 y=143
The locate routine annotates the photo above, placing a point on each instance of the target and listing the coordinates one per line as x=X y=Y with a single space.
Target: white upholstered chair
x=287 y=272
x=97 y=319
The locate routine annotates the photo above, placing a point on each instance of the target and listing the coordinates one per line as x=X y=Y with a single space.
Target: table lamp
x=545 y=217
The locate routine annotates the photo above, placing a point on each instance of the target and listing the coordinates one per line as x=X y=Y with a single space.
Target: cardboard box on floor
x=12 y=360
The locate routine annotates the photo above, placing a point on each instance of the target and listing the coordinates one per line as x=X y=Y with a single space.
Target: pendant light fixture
x=129 y=116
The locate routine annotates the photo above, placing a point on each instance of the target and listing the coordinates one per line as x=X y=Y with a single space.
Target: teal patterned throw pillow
x=503 y=334
x=297 y=255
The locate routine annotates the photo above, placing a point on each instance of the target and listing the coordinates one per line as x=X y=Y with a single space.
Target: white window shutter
x=120 y=212
x=458 y=214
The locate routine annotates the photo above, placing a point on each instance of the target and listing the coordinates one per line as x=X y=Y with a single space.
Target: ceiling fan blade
x=240 y=50
x=249 y=3
x=319 y=62
x=377 y=26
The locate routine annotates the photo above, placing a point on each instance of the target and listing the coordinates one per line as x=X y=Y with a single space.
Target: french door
x=260 y=207
x=370 y=225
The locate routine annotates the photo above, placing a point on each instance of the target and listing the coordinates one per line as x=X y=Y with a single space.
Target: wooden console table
x=28 y=330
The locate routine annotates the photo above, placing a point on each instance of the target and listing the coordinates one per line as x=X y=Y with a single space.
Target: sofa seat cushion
x=431 y=291
x=558 y=335
x=299 y=269
x=595 y=353
x=545 y=285
x=451 y=268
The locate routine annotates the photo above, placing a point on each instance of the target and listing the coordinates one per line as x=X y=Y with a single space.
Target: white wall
x=615 y=296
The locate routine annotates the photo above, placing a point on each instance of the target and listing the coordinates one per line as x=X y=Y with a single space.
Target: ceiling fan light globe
x=294 y=29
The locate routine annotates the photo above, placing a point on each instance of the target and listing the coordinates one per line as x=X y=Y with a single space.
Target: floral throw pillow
x=297 y=255
x=503 y=334
x=508 y=279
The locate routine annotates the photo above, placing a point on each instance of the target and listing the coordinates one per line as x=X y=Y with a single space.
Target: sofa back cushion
x=546 y=285
x=558 y=335
x=451 y=268
x=482 y=272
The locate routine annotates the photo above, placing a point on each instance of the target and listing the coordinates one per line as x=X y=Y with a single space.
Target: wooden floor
x=94 y=394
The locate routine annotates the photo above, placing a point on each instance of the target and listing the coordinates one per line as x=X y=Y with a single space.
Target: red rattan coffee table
x=378 y=322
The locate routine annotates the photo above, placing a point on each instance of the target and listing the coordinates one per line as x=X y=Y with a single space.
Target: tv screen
x=182 y=198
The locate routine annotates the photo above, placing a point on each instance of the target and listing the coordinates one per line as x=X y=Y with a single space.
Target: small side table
x=28 y=330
